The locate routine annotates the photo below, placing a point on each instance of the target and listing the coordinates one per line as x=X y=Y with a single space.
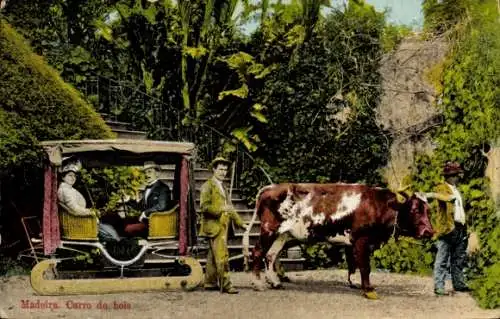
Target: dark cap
x=452 y=168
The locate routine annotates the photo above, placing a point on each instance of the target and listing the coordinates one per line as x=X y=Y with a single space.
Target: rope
x=246 y=235
x=393 y=235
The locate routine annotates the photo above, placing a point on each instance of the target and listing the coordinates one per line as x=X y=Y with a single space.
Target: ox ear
x=403 y=194
x=421 y=196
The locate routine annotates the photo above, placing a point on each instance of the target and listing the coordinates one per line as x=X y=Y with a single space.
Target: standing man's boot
x=230 y=290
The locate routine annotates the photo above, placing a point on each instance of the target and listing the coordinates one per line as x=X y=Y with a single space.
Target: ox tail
x=246 y=235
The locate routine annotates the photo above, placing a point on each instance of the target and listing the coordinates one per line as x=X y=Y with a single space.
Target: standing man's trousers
x=217 y=268
x=451 y=250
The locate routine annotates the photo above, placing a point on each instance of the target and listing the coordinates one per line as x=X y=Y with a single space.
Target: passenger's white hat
x=150 y=164
x=72 y=167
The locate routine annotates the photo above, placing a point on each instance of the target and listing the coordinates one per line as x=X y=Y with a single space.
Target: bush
x=440 y=16
x=392 y=36
x=10 y=267
x=405 y=256
x=484 y=266
x=36 y=104
x=323 y=255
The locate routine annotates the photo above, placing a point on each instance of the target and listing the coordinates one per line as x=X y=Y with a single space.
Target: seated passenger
x=76 y=203
x=157 y=197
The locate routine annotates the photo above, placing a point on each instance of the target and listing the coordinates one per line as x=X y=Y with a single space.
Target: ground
x=311 y=294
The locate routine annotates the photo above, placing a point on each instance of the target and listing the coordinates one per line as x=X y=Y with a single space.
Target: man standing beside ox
x=451 y=232
x=216 y=215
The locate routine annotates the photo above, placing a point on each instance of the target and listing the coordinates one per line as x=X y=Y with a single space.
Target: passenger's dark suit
x=157 y=197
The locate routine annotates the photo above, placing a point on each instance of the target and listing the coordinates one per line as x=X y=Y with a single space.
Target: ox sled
x=125 y=241
x=357 y=216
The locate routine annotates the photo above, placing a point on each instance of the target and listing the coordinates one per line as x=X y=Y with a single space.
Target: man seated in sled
x=75 y=204
x=157 y=197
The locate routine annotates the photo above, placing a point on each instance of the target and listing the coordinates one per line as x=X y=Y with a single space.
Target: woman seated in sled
x=74 y=202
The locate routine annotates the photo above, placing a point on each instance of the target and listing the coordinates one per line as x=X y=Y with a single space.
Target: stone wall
x=407 y=108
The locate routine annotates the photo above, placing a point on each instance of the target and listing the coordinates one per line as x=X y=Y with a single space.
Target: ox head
x=413 y=217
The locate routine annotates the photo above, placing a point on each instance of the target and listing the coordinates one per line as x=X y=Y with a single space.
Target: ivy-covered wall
x=468 y=87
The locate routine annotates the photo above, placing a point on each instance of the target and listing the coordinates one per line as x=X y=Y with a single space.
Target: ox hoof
x=277 y=286
x=353 y=286
x=258 y=288
x=258 y=285
x=273 y=280
x=372 y=295
x=274 y=284
x=284 y=279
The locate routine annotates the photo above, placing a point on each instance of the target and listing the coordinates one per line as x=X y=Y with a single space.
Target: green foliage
x=322 y=255
x=73 y=38
x=248 y=70
x=304 y=139
x=110 y=186
x=469 y=86
x=9 y=267
x=484 y=270
x=36 y=104
x=316 y=80
x=253 y=178
x=440 y=16
x=404 y=256
x=17 y=143
x=392 y=36
x=468 y=82
x=486 y=286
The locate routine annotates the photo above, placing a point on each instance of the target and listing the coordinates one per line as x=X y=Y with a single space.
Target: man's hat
x=150 y=164
x=218 y=160
x=452 y=168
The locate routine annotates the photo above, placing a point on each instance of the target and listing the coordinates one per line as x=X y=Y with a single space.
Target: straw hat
x=218 y=160
x=150 y=164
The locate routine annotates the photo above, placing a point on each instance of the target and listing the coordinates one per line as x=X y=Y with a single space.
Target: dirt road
x=311 y=294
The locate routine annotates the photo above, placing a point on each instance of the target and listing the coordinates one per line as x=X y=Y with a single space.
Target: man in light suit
x=216 y=214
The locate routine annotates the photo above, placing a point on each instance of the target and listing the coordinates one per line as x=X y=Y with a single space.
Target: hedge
x=36 y=104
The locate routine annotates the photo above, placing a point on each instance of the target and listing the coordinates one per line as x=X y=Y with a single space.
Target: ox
x=292 y=212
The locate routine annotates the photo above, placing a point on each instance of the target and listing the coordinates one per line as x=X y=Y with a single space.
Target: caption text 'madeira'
x=75 y=305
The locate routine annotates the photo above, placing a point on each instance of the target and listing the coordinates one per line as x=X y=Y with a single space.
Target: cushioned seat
x=75 y=227
x=163 y=225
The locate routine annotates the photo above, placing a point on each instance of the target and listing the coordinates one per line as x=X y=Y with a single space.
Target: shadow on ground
x=341 y=287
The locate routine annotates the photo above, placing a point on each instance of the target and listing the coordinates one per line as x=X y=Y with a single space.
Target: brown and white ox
x=316 y=212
